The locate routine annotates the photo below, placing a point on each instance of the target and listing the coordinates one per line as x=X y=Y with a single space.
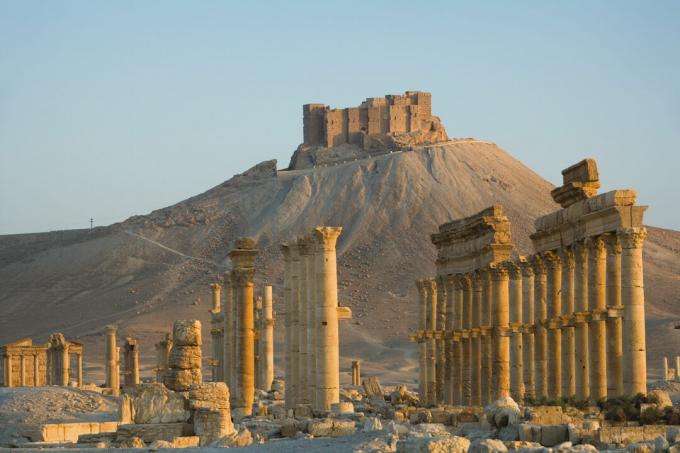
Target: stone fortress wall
x=327 y=127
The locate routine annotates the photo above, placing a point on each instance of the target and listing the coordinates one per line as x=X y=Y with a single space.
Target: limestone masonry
x=376 y=126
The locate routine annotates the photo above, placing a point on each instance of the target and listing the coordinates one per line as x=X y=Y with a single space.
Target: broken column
x=242 y=274
x=184 y=363
x=162 y=355
x=131 y=357
x=212 y=416
x=328 y=347
x=112 y=361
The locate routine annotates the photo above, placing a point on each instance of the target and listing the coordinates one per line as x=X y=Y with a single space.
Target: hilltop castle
x=377 y=125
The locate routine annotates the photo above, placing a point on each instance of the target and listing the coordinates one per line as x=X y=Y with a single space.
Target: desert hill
x=144 y=272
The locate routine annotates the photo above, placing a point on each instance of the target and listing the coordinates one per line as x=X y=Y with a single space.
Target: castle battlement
x=327 y=127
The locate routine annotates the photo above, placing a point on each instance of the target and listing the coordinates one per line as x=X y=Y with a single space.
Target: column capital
x=306 y=245
x=613 y=243
x=514 y=270
x=580 y=250
x=466 y=281
x=632 y=238
x=525 y=265
x=595 y=245
x=326 y=237
x=242 y=277
x=498 y=272
x=215 y=287
x=420 y=285
x=244 y=253
x=538 y=265
x=552 y=260
x=430 y=285
x=567 y=257
x=111 y=329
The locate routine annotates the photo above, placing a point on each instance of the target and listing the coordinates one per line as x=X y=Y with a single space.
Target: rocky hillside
x=149 y=270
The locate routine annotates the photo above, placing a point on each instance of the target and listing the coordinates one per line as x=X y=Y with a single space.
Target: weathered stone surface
x=547 y=415
x=342 y=408
x=372 y=424
x=568 y=447
x=65 y=432
x=181 y=380
x=372 y=387
x=185 y=441
x=290 y=427
x=154 y=403
x=662 y=398
x=187 y=333
x=529 y=432
x=209 y=395
x=487 y=446
x=629 y=434
x=211 y=425
x=330 y=427
x=185 y=357
x=158 y=444
x=552 y=435
x=452 y=444
x=156 y=431
x=640 y=448
x=133 y=442
x=239 y=439
x=502 y=412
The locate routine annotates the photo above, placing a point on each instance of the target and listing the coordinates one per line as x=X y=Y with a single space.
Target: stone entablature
x=565 y=321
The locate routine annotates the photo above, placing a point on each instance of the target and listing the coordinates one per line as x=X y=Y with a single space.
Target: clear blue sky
x=109 y=109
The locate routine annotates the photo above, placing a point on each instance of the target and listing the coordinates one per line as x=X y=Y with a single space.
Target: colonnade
x=563 y=323
x=312 y=361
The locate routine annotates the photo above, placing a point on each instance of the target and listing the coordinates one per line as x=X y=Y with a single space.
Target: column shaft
x=468 y=301
x=541 y=334
x=488 y=345
x=457 y=372
x=448 y=343
x=431 y=288
x=478 y=376
x=111 y=361
x=633 y=300
x=614 y=324
x=528 y=320
x=554 y=307
x=597 y=267
x=581 y=335
x=267 y=339
x=80 y=370
x=228 y=334
x=439 y=329
x=516 y=344
x=328 y=347
x=312 y=303
x=422 y=343
x=288 y=321
x=501 y=321
x=568 y=357
x=303 y=379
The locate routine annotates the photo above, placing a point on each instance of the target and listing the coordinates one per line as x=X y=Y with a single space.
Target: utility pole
x=91 y=222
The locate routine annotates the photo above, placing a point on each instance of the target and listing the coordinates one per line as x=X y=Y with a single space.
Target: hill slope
x=149 y=270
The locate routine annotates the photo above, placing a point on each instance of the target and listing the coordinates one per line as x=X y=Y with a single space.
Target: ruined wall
x=392 y=114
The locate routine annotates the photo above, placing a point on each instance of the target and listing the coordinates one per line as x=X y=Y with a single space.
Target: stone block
x=185 y=442
x=452 y=444
x=623 y=435
x=529 y=432
x=181 y=380
x=185 y=357
x=209 y=395
x=156 y=431
x=187 y=333
x=442 y=416
x=487 y=446
x=547 y=415
x=330 y=428
x=342 y=408
x=502 y=412
x=155 y=403
x=552 y=435
x=211 y=425
x=290 y=427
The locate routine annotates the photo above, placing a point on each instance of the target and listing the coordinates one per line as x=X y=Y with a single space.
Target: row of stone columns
x=312 y=361
x=561 y=323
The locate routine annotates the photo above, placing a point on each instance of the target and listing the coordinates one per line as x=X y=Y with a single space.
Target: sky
x=115 y=108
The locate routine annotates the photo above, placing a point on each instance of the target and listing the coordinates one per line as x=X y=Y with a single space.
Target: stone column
x=516 y=320
x=36 y=371
x=457 y=345
x=8 y=371
x=216 y=292
x=422 y=327
x=487 y=356
x=677 y=368
x=328 y=345
x=228 y=335
x=312 y=303
x=112 y=360
x=303 y=380
x=440 y=327
x=528 y=328
x=580 y=319
x=431 y=289
x=554 y=308
x=162 y=355
x=295 y=323
x=80 y=370
x=257 y=332
x=501 y=321
x=243 y=271
x=65 y=366
x=597 y=268
x=478 y=377
x=449 y=327
x=633 y=300
x=664 y=368
x=614 y=323
x=356 y=373
x=267 y=339
x=466 y=347
x=288 y=324
x=217 y=333
x=541 y=334
x=22 y=371
x=568 y=357
x=131 y=363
